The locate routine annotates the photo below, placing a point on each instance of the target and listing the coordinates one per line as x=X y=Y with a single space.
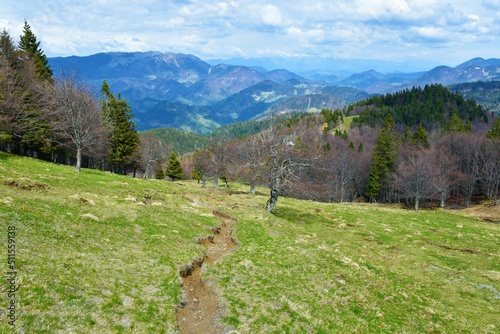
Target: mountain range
x=182 y=91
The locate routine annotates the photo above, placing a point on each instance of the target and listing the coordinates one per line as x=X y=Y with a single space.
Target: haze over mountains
x=185 y=92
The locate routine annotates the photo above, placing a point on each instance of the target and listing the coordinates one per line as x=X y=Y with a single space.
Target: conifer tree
x=494 y=132
x=123 y=138
x=23 y=125
x=30 y=47
x=384 y=157
x=174 y=168
x=420 y=137
x=455 y=124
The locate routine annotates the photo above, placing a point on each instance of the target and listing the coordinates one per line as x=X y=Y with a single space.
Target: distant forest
x=486 y=93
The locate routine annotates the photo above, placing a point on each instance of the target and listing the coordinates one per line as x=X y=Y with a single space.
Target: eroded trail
x=200 y=310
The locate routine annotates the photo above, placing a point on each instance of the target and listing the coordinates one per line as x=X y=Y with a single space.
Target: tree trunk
x=252 y=189
x=78 y=159
x=273 y=200
x=417 y=201
x=204 y=178
x=442 y=202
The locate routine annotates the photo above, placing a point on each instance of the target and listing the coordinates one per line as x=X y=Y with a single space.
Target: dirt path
x=200 y=311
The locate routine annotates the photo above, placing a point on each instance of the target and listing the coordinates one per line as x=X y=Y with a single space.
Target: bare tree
x=413 y=175
x=246 y=161
x=286 y=156
x=218 y=157
x=490 y=168
x=467 y=147
x=153 y=154
x=444 y=170
x=75 y=117
x=202 y=164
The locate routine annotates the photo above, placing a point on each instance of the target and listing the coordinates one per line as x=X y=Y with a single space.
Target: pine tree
x=174 y=168
x=384 y=157
x=420 y=137
x=196 y=175
x=29 y=45
x=123 y=137
x=494 y=132
x=455 y=124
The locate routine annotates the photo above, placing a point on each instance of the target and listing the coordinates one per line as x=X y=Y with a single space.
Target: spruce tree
x=420 y=137
x=196 y=175
x=123 y=137
x=22 y=122
x=30 y=47
x=174 y=168
x=494 y=132
x=384 y=157
x=455 y=124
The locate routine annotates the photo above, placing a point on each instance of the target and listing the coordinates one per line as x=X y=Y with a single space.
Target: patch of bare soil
x=200 y=310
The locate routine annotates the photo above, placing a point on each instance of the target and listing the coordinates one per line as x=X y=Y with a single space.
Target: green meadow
x=101 y=253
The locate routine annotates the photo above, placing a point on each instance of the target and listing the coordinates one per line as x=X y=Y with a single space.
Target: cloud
x=271 y=15
x=228 y=28
x=491 y=4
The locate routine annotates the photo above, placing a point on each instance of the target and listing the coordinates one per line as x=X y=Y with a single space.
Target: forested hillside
x=486 y=93
x=430 y=107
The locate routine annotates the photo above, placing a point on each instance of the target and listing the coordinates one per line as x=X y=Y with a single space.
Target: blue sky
x=444 y=32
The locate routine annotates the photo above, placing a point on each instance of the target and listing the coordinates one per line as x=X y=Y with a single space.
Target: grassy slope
x=310 y=267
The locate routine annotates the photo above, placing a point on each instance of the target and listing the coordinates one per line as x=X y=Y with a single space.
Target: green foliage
x=178 y=140
x=455 y=124
x=123 y=138
x=159 y=173
x=428 y=106
x=174 y=168
x=29 y=45
x=486 y=93
x=494 y=132
x=384 y=157
x=332 y=118
x=196 y=175
x=420 y=137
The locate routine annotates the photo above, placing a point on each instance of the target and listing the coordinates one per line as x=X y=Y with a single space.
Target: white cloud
x=226 y=28
x=271 y=15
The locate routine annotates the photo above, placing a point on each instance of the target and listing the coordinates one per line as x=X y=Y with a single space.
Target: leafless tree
x=467 y=148
x=246 y=161
x=218 y=157
x=202 y=162
x=444 y=170
x=153 y=154
x=75 y=116
x=413 y=175
x=286 y=156
x=490 y=168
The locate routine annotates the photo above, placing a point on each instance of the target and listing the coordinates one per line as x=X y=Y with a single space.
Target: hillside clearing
x=98 y=252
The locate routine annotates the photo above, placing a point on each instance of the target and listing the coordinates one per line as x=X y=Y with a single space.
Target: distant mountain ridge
x=185 y=92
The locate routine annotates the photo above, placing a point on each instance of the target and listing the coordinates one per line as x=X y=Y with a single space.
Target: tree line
x=446 y=166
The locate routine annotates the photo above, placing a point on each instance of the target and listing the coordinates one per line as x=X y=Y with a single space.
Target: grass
x=98 y=252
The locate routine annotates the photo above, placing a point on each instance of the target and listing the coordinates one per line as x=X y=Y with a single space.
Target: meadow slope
x=101 y=253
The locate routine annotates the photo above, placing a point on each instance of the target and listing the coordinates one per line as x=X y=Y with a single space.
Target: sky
x=396 y=30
